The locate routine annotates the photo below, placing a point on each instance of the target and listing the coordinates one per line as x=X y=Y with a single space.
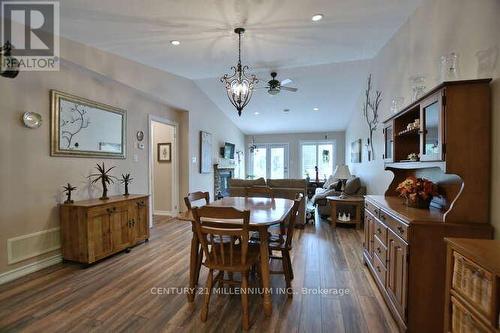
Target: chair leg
x=245 y=322
x=286 y=271
x=198 y=264
x=289 y=264
x=209 y=284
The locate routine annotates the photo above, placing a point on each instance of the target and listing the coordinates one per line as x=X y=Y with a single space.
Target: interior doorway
x=163 y=168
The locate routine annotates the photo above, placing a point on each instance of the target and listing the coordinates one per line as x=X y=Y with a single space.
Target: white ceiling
x=333 y=88
x=280 y=36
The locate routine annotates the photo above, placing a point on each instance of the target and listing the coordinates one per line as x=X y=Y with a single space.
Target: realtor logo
x=30 y=35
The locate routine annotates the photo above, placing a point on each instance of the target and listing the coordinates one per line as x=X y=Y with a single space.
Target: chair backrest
x=259 y=191
x=215 y=224
x=292 y=219
x=195 y=196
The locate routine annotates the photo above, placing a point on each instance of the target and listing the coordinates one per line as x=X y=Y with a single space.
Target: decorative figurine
x=105 y=179
x=68 y=189
x=125 y=181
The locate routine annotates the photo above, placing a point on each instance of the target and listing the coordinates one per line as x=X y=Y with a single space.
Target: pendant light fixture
x=239 y=86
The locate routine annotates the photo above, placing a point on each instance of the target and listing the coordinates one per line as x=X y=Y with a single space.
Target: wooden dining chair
x=212 y=223
x=283 y=244
x=259 y=191
x=195 y=196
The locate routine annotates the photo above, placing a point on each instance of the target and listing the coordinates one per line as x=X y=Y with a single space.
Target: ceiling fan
x=274 y=86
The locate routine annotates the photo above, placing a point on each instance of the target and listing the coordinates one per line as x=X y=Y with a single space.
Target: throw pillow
x=352 y=186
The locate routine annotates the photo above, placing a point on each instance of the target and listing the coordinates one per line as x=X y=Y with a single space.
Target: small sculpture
x=125 y=181
x=68 y=189
x=105 y=179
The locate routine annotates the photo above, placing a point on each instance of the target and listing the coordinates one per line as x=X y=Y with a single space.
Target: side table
x=349 y=205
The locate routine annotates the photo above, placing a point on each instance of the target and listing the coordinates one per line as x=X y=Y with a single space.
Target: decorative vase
x=418 y=203
x=449 y=67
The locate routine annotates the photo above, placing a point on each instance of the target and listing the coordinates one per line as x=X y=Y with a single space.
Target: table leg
x=333 y=214
x=264 y=270
x=193 y=267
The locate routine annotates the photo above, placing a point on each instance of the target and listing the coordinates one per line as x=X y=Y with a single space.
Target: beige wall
x=293 y=140
x=163 y=171
x=31 y=180
x=436 y=28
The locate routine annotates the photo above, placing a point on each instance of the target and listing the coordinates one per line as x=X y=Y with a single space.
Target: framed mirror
x=84 y=128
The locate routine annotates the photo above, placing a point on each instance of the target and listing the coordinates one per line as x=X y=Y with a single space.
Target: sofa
x=353 y=187
x=282 y=188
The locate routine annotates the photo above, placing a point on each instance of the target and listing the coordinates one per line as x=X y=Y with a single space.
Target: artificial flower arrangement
x=418 y=192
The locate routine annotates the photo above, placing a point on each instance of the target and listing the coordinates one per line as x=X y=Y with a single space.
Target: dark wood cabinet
x=94 y=229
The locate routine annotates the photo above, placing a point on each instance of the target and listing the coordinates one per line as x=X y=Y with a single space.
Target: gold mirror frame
x=55 y=150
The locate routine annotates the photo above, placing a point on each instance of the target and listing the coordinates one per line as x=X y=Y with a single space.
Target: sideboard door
x=139 y=214
x=397 y=273
x=120 y=228
x=368 y=233
x=99 y=234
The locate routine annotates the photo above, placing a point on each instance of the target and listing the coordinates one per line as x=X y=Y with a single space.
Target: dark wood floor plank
x=115 y=295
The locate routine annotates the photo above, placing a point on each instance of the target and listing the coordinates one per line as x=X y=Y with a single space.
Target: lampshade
x=342 y=172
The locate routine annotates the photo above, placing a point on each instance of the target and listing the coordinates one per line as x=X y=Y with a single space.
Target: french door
x=270 y=161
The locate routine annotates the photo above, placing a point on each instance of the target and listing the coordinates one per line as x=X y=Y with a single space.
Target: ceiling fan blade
x=289 y=89
x=266 y=87
x=286 y=81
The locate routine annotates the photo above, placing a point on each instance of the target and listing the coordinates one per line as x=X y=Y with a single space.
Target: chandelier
x=239 y=86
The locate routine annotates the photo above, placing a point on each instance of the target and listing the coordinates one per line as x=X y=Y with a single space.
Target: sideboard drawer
x=473 y=283
x=464 y=321
x=372 y=208
x=380 y=249
x=380 y=269
x=399 y=228
x=380 y=230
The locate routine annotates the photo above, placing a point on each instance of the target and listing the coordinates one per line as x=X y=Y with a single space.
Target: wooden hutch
x=404 y=247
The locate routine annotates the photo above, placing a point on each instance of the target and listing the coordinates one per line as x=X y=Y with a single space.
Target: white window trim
x=317 y=142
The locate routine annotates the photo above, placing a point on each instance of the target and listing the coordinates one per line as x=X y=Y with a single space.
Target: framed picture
x=356 y=151
x=205 y=152
x=165 y=152
x=84 y=128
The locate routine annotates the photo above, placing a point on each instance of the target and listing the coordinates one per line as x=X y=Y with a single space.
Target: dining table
x=264 y=212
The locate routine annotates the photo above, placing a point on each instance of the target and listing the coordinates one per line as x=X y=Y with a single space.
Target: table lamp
x=342 y=172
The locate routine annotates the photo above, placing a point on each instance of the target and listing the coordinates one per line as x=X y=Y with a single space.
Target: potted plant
x=418 y=192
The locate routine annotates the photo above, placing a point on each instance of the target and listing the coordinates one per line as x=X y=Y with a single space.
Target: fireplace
x=221 y=181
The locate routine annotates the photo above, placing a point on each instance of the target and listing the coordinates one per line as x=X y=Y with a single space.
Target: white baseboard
x=163 y=213
x=30 y=268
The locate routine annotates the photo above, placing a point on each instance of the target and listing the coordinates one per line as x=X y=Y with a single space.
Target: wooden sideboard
x=94 y=229
x=472 y=299
x=405 y=251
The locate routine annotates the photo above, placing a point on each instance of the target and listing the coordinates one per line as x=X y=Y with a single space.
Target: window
x=270 y=161
x=320 y=154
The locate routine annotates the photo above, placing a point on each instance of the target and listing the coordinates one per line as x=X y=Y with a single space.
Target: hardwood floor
x=116 y=295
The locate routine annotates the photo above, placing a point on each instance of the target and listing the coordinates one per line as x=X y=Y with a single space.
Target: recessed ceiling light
x=315 y=109
x=317 y=17
x=256 y=113
x=175 y=42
